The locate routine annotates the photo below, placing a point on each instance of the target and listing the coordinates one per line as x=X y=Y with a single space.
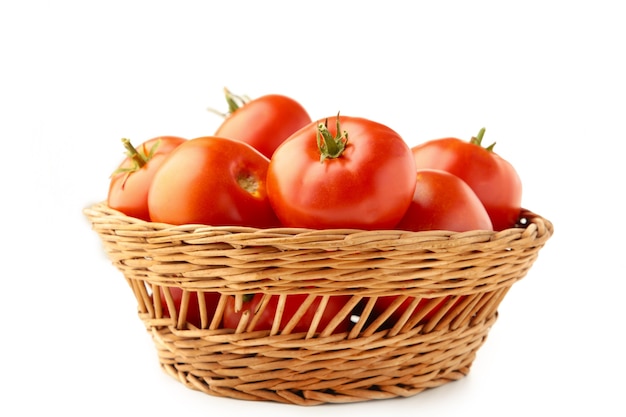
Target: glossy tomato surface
x=494 y=180
x=265 y=317
x=264 y=122
x=360 y=175
x=443 y=201
x=128 y=189
x=213 y=181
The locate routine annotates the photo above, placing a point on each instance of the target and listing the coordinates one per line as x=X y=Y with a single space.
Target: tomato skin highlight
x=369 y=186
x=292 y=303
x=493 y=179
x=128 y=190
x=443 y=201
x=213 y=181
x=264 y=122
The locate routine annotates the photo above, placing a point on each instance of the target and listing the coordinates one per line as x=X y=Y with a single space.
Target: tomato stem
x=478 y=140
x=329 y=146
x=138 y=158
x=234 y=102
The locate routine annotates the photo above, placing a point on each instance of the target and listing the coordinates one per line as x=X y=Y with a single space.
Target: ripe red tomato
x=292 y=304
x=443 y=201
x=264 y=122
x=493 y=179
x=128 y=190
x=213 y=181
x=211 y=300
x=346 y=173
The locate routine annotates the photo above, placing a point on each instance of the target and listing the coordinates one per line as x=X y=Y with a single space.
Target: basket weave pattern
x=470 y=273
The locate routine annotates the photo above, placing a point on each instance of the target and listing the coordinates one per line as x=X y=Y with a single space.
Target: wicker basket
x=471 y=271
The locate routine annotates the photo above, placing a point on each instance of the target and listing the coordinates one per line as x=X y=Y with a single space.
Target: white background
x=546 y=78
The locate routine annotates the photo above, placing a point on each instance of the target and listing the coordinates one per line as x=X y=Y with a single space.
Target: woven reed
x=373 y=360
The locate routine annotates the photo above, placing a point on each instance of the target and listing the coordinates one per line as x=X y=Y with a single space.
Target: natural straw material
x=466 y=274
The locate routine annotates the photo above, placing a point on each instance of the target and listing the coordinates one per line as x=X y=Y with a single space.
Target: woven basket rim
x=246 y=258
x=170 y=230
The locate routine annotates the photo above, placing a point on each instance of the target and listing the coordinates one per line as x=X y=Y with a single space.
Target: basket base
x=290 y=369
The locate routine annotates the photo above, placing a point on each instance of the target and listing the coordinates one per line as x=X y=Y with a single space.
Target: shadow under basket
x=442 y=290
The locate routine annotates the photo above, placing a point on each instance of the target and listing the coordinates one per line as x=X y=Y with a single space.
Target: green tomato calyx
x=478 y=140
x=329 y=146
x=137 y=158
x=234 y=101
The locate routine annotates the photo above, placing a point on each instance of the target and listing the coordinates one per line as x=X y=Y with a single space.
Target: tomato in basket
x=212 y=181
x=293 y=302
x=443 y=201
x=193 y=316
x=128 y=189
x=346 y=172
x=493 y=179
x=264 y=122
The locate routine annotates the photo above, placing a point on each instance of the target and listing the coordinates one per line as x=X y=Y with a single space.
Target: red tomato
x=213 y=181
x=346 y=173
x=493 y=179
x=211 y=299
x=128 y=190
x=264 y=122
x=292 y=303
x=443 y=201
